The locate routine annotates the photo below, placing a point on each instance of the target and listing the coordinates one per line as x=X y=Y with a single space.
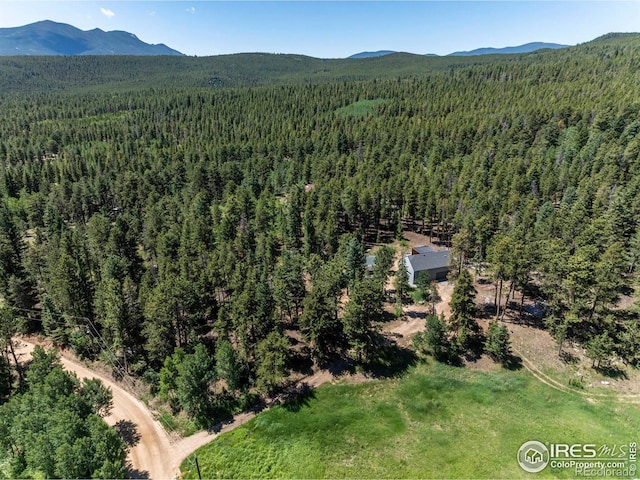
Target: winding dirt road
x=152 y=454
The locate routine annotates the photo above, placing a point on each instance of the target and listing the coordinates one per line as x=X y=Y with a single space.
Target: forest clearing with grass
x=436 y=421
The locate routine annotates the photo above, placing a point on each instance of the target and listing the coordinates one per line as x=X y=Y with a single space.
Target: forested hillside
x=124 y=73
x=177 y=220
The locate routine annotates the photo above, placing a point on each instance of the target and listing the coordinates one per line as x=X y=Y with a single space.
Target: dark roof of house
x=424 y=249
x=429 y=261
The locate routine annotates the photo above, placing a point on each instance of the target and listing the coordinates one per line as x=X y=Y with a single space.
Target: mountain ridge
x=52 y=38
x=378 y=53
x=525 y=48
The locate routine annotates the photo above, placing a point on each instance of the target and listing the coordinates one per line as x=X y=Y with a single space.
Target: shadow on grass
x=227 y=419
x=513 y=363
x=223 y=413
x=128 y=432
x=301 y=362
x=612 y=372
x=486 y=311
x=299 y=398
x=472 y=346
x=568 y=357
x=413 y=314
x=388 y=317
x=376 y=236
x=391 y=360
x=341 y=366
x=475 y=349
x=627 y=290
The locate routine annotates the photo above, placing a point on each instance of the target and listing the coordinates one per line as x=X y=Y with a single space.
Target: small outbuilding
x=426 y=261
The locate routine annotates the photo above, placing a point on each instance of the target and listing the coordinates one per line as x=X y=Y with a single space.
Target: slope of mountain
x=127 y=73
x=527 y=48
x=379 y=53
x=52 y=38
x=45 y=73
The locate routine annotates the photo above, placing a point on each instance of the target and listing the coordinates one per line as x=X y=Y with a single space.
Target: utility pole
x=197 y=466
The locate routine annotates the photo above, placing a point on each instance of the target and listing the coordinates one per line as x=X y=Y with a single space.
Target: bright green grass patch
x=362 y=108
x=418 y=296
x=435 y=422
x=173 y=423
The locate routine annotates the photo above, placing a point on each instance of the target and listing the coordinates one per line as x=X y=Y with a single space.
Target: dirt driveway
x=152 y=455
x=414 y=315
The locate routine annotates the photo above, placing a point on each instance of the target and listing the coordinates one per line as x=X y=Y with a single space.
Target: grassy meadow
x=362 y=108
x=436 y=421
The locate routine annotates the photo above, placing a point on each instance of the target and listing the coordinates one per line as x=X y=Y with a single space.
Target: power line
x=91 y=329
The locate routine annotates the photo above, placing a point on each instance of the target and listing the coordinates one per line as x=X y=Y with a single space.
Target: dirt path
x=415 y=315
x=547 y=380
x=152 y=455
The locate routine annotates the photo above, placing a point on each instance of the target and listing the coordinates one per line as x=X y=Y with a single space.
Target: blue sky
x=332 y=29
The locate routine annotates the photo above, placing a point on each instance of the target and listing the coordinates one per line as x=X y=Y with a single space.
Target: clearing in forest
x=436 y=421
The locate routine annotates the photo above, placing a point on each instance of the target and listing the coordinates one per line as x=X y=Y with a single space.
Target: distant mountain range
x=379 y=53
x=527 y=48
x=52 y=38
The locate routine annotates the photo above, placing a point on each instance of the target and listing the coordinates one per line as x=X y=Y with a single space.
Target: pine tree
x=434 y=296
x=192 y=385
x=401 y=282
x=434 y=340
x=319 y=322
x=383 y=263
x=272 y=356
x=361 y=311
x=355 y=261
x=462 y=302
x=227 y=365
x=497 y=342
x=288 y=285
x=600 y=349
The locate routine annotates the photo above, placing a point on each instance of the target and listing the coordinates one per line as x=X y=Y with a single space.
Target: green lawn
x=435 y=422
x=361 y=108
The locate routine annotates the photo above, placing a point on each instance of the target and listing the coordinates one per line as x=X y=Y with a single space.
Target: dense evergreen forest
x=178 y=230
x=126 y=73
